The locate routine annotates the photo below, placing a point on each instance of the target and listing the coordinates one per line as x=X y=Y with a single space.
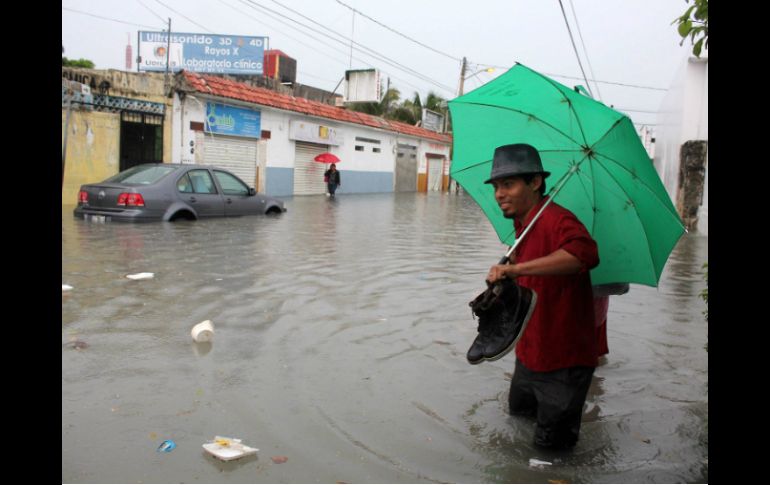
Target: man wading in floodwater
x=556 y=348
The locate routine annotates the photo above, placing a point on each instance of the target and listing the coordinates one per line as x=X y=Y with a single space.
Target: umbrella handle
x=503 y=260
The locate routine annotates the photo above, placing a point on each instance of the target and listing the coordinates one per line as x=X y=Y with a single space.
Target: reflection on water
x=341 y=332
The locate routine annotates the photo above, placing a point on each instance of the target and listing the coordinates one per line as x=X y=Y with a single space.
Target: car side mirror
x=252 y=191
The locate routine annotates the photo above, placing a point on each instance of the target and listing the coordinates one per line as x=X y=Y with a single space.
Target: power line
x=585 y=51
x=107 y=18
x=575 y=47
x=344 y=63
x=372 y=52
x=399 y=33
x=185 y=17
x=581 y=79
x=151 y=11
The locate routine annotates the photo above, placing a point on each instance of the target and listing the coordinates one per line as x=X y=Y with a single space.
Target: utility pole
x=69 y=95
x=462 y=76
x=168 y=52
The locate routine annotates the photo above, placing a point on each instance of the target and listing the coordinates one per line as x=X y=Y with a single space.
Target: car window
x=142 y=174
x=230 y=184
x=202 y=182
x=184 y=185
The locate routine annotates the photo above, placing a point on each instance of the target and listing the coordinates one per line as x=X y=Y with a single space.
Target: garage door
x=236 y=154
x=406 y=168
x=308 y=174
x=435 y=173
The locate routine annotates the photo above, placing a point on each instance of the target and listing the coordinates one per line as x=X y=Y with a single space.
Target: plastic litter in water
x=538 y=463
x=227 y=449
x=66 y=287
x=140 y=276
x=203 y=332
x=166 y=446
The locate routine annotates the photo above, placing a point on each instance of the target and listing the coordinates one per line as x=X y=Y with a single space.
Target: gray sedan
x=167 y=192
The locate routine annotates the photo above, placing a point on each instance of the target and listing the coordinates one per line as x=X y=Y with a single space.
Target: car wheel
x=184 y=215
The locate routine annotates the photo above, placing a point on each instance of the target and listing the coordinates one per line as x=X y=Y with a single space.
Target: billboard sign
x=217 y=54
x=229 y=120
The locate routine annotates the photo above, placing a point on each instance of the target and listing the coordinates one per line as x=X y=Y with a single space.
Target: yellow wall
x=93 y=150
x=93 y=143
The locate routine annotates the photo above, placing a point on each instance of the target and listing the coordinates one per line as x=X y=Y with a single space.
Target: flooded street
x=341 y=328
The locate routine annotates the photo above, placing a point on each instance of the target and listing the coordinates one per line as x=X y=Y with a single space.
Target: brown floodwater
x=340 y=332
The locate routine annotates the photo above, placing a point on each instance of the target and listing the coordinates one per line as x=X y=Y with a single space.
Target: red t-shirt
x=561 y=332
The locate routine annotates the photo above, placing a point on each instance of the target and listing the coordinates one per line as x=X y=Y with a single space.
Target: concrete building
x=270 y=139
x=111 y=120
x=681 y=143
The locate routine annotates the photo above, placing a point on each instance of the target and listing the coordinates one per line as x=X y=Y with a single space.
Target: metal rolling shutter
x=238 y=155
x=309 y=175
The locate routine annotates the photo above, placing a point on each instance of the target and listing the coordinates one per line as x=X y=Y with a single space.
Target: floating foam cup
x=203 y=332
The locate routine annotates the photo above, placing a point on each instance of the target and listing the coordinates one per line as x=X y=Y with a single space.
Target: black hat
x=516 y=159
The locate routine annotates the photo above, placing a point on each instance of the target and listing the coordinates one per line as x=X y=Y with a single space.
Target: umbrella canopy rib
x=590 y=197
x=632 y=174
x=555 y=85
x=530 y=115
x=648 y=254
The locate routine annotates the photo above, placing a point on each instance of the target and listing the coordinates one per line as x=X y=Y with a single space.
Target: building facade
x=270 y=139
x=111 y=121
x=681 y=143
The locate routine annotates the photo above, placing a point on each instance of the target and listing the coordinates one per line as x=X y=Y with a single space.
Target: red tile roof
x=217 y=86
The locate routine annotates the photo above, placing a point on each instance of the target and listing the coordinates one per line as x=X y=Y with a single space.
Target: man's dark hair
x=529 y=177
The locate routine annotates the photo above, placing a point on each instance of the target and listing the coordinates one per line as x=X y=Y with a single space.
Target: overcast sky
x=628 y=42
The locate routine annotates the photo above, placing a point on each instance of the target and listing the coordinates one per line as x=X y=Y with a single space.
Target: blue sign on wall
x=229 y=120
x=220 y=54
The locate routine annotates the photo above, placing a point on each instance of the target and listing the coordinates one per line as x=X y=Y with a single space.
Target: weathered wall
x=692 y=174
x=93 y=144
x=93 y=150
x=140 y=85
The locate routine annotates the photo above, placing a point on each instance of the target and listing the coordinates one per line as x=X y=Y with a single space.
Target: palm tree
x=436 y=103
x=384 y=108
x=407 y=111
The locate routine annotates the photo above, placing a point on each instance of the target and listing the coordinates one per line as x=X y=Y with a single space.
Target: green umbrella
x=599 y=168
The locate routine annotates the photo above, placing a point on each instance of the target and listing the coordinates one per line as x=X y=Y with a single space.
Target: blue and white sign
x=220 y=54
x=229 y=120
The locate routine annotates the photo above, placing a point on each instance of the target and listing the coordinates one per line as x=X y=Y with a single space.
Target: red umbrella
x=327 y=158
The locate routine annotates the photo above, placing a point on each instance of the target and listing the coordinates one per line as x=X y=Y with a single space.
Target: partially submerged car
x=167 y=192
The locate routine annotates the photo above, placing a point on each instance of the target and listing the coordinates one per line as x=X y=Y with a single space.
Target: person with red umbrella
x=332 y=178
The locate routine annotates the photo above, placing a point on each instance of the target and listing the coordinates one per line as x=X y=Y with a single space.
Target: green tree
x=434 y=102
x=407 y=111
x=694 y=23
x=76 y=63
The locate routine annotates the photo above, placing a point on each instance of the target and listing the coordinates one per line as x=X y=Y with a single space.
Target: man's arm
x=559 y=262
